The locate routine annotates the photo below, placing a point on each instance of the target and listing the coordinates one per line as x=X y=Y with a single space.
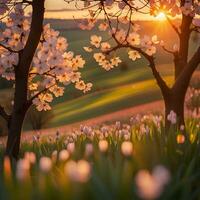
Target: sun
x=161 y=16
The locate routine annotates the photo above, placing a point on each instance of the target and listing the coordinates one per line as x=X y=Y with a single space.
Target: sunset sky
x=61 y=10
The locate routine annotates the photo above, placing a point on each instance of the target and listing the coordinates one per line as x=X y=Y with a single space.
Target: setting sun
x=161 y=16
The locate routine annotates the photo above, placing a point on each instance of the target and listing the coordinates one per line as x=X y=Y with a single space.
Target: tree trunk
x=14 y=135
x=21 y=80
x=17 y=117
x=175 y=102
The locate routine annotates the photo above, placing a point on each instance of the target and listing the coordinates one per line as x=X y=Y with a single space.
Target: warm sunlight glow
x=161 y=16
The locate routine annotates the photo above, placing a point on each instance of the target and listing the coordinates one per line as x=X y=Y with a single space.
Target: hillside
x=129 y=85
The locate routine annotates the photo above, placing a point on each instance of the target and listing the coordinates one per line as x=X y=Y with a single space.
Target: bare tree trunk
x=17 y=116
x=21 y=104
x=175 y=103
x=14 y=134
x=174 y=97
x=178 y=92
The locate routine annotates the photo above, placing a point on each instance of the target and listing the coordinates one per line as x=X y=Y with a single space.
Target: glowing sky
x=62 y=10
x=55 y=4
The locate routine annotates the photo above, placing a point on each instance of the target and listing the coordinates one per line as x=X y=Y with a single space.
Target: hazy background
x=129 y=85
x=59 y=9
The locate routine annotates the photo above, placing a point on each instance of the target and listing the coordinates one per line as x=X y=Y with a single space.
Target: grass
x=112 y=90
x=109 y=174
x=106 y=101
x=109 y=86
x=135 y=160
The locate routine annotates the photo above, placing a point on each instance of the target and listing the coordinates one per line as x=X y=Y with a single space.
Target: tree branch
x=4 y=114
x=173 y=26
x=8 y=48
x=169 y=51
x=161 y=83
x=34 y=35
x=30 y=101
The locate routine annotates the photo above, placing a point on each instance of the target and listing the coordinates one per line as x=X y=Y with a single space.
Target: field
x=134 y=160
x=129 y=85
x=138 y=158
x=123 y=87
x=126 y=86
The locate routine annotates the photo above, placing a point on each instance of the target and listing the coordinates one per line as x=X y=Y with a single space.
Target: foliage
x=136 y=160
x=52 y=66
x=119 y=20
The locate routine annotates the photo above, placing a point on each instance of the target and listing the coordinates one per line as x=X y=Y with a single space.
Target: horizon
x=70 y=14
x=62 y=10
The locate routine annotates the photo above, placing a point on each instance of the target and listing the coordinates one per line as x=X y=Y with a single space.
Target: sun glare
x=161 y=16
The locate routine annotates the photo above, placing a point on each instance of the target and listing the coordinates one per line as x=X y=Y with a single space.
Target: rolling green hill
x=106 y=101
x=128 y=85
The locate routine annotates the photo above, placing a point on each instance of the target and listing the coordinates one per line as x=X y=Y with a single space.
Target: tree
x=124 y=33
x=35 y=58
x=6 y=101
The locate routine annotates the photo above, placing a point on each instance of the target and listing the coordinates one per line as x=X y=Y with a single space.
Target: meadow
x=128 y=85
x=133 y=160
x=127 y=123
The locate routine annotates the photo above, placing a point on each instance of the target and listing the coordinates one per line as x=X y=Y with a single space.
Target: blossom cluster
x=132 y=40
x=52 y=68
x=123 y=32
x=169 y=7
x=118 y=21
x=174 y=8
x=13 y=39
x=55 y=67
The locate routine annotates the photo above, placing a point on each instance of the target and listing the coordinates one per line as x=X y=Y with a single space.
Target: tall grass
x=117 y=162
